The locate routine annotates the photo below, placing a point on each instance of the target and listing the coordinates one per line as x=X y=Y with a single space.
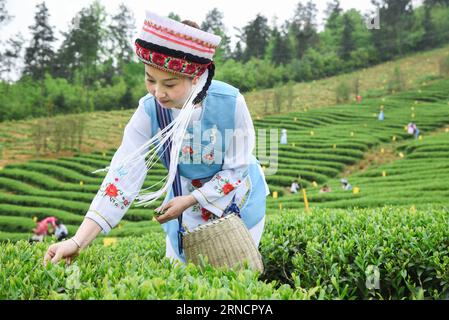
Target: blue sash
x=164 y=119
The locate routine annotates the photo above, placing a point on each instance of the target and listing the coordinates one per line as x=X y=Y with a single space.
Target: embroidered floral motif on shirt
x=186 y=153
x=192 y=152
x=209 y=157
x=207 y=215
x=116 y=196
x=208 y=152
x=121 y=172
x=197 y=183
x=187 y=150
x=223 y=186
x=196 y=208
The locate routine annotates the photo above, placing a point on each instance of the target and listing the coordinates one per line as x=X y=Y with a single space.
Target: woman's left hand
x=174 y=208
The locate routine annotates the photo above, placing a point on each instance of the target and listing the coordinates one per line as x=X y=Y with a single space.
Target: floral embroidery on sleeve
x=116 y=196
x=223 y=186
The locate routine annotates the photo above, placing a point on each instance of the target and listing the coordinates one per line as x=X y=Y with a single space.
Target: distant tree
x=11 y=58
x=214 y=24
x=332 y=12
x=279 y=51
x=5 y=61
x=39 y=55
x=237 y=54
x=4 y=16
x=122 y=30
x=82 y=55
x=174 y=16
x=437 y=2
x=428 y=39
x=396 y=19
x=83 y=47
x=303 y=28
x=256 y=35
x=347 y=42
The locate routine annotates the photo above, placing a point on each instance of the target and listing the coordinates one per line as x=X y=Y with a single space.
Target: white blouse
x=116 y=195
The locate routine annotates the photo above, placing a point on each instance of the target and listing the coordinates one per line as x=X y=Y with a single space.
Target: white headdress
x=178 y=48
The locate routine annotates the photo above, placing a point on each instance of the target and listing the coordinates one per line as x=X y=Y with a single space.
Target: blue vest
x=217 y=114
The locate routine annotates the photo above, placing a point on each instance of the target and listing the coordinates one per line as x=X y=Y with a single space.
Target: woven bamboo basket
x=226 y=242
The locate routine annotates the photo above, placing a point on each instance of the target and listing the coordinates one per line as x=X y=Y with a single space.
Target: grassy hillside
x=105 y=129
x=415 y=71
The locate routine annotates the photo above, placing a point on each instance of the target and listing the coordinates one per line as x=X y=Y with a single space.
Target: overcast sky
x=236 y=12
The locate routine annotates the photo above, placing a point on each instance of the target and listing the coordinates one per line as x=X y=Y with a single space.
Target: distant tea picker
x=42 y=230
x=202 y=131
x=413 y=129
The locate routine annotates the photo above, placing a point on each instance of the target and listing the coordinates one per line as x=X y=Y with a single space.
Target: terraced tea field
x=382 y=253
x=322 y=144
x=104 y=128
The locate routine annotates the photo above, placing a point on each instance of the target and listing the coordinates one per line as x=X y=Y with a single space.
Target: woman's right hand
x=67 y=249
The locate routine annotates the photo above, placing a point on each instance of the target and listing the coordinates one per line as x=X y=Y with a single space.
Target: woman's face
x=170 y=90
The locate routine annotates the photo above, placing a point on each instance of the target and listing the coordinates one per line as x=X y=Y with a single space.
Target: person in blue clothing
x=416 y=134
x=413 y=129
x=202 y=131
x=345 y=184
x=283 y=136
x=381 y=115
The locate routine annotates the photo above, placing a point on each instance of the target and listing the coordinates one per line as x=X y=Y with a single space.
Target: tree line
x=94 y=67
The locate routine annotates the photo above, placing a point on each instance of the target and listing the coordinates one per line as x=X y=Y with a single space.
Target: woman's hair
x=191 y=23
x=200 y=97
